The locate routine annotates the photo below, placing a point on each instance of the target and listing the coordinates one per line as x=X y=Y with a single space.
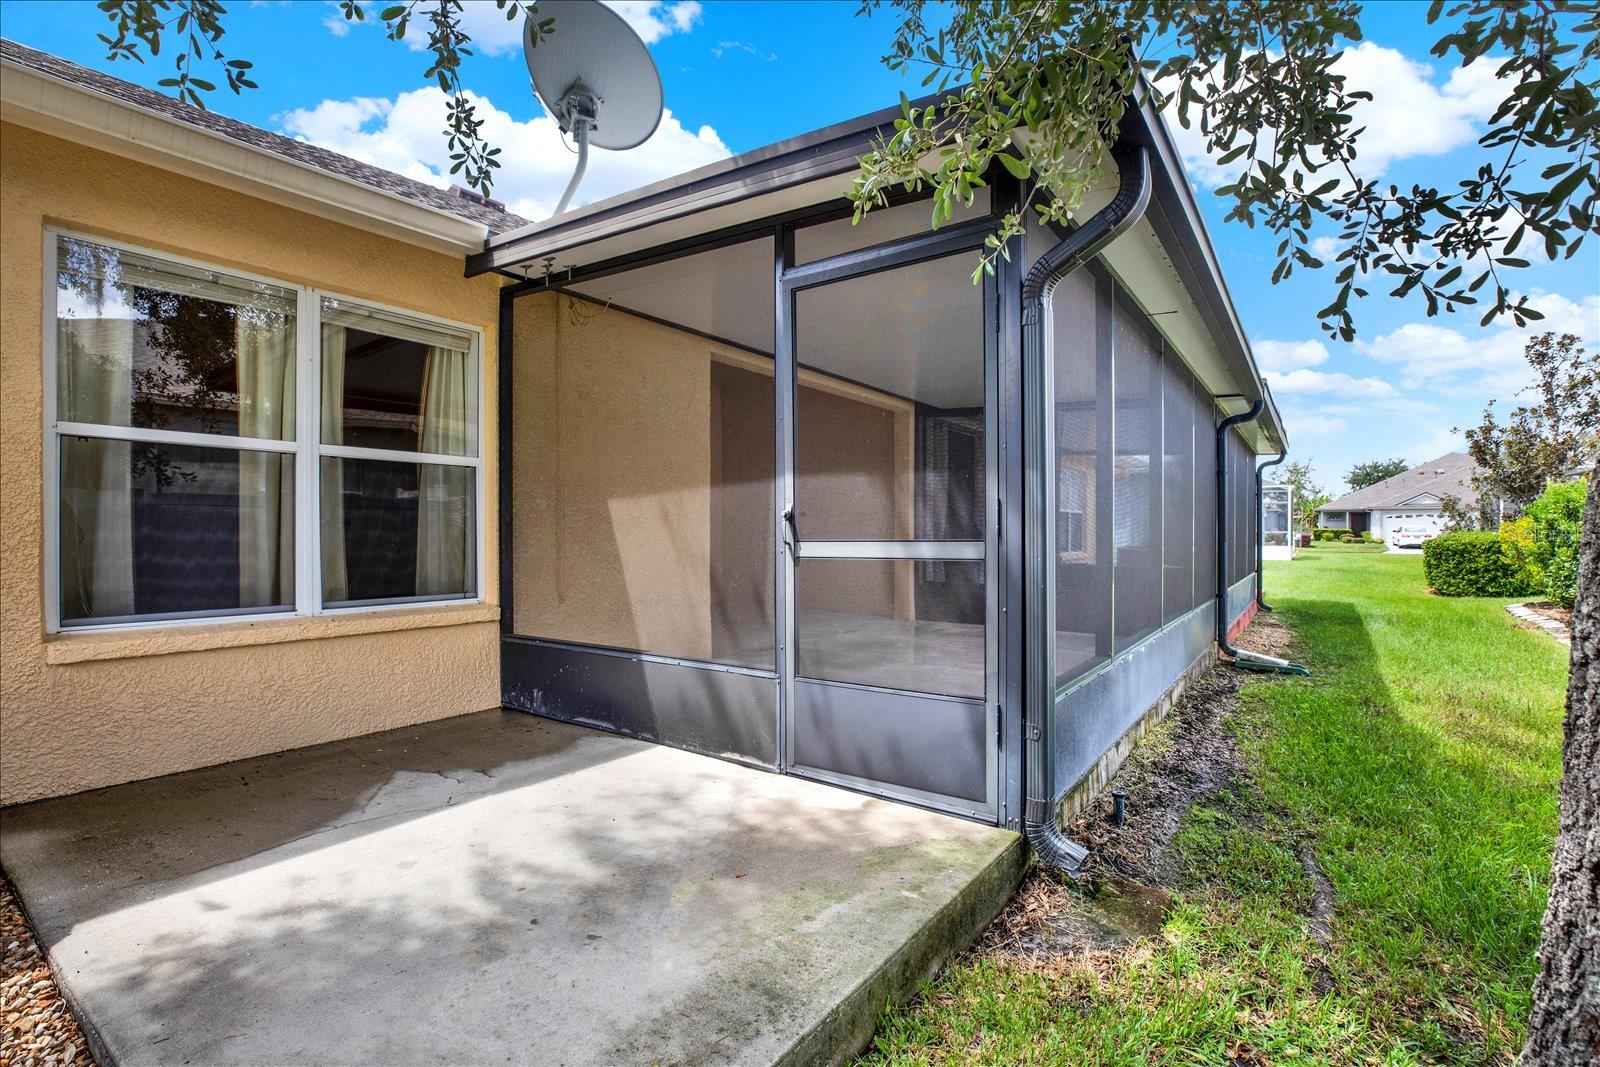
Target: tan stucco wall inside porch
x=79 y=711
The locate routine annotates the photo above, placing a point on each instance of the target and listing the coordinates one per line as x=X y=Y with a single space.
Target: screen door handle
x=791 y=533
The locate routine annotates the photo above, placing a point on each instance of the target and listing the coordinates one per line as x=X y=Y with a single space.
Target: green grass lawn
x=1419 y=764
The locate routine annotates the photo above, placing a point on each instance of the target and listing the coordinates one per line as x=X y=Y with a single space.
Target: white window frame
x=307 y=449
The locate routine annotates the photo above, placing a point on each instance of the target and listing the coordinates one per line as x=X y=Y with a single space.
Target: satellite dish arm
x=582 y=132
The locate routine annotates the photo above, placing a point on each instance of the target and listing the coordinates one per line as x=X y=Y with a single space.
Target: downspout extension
x=1052 y=847
x=1250 y=661
x=1260 y=520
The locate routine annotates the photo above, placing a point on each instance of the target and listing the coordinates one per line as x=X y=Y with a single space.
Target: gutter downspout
x=1250 y=661
x=1052 y=847
x=1260 y=518
x=1222 y=522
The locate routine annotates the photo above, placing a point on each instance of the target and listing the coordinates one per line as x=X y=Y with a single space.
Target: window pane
x=397 y=531
x=642 y=510
x=1136 y=477
x=889 y=440
x=913 y=625
x=1080 y=346
x=141 y=342
x=169 y=530
x=878 y=226
x=389 y=381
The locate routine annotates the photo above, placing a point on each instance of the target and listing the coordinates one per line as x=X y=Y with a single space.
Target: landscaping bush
x=1516 y=537
x=1475 y=563
x=1349 y=538
x=1554 y=526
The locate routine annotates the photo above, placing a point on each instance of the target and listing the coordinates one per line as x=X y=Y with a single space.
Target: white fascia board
x=61 y=109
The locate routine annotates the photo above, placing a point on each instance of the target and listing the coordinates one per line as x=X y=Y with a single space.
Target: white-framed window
x=219 y=445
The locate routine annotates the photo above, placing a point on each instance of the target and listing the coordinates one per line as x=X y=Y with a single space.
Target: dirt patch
x=1553 y=612
x=1190 y=758
x=36 y=1027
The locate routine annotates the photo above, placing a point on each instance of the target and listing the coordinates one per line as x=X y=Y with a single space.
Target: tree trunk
x=1565 y=1026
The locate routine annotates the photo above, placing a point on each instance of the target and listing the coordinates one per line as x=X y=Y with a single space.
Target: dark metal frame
x=1003 y=475
x=904 y=252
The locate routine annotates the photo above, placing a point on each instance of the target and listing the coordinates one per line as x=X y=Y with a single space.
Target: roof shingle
x=449 y=201
x=1450 y=474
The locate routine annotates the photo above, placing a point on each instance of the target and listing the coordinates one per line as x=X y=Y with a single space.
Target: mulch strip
x=36 y=1027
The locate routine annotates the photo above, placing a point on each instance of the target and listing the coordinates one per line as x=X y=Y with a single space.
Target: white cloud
x=1302 y=425
x=336 y=24
x=724 y=47
x=1326 y=248
x=1336 y=383
x=404 y=135
x=1290 y=355
x=1410 y=114
x=1487 y=361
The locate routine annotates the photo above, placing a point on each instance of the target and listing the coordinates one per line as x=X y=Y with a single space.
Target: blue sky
x=740 y=75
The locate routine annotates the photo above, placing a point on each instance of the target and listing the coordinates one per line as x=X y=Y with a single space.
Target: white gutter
x=62 y=109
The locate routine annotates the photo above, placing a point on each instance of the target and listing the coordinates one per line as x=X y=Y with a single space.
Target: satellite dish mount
x=577 y=111
x=596 y=78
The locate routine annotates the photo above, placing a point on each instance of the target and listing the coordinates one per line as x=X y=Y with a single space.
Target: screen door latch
x=791 y=535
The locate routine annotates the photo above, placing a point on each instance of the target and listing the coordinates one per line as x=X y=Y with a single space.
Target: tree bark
x=1565 y=1025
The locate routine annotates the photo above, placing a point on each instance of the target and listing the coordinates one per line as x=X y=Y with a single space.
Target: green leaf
x=1019 y=168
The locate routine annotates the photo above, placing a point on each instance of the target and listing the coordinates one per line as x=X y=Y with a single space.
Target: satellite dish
x=595 y=77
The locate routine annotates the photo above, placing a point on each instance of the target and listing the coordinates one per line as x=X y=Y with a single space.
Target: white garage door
x=1429 y=520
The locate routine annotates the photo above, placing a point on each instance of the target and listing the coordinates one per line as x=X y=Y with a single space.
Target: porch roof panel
x=816 y=168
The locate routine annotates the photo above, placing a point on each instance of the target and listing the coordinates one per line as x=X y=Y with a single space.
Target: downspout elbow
x=1052 y=846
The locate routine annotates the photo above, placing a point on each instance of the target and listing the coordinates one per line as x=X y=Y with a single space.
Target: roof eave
x=60 y=108
x=824 y=153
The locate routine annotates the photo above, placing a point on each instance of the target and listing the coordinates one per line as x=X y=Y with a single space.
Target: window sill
x=132 y=644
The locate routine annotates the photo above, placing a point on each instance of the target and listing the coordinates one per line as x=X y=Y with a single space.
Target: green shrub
x=1349 y=538
x=1556 y=521
x=1475 y=563
x=1325 y=535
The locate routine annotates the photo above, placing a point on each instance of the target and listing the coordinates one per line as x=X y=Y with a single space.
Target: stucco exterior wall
x=78 y=711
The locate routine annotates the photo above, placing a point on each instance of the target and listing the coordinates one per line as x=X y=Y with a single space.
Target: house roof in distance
x=1449 y=475
x=458 y=202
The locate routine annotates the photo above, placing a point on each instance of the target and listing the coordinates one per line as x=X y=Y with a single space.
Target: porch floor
x=496 y=888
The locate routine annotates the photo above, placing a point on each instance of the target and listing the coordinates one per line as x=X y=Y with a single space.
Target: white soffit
x=81 y=116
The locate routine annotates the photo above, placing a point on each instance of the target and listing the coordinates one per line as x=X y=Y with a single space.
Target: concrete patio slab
x=496 y=888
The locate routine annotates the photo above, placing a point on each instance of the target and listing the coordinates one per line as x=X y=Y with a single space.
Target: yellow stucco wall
x=79 y=711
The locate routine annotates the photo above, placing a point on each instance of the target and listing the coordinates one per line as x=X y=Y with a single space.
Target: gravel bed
x=36 y=1027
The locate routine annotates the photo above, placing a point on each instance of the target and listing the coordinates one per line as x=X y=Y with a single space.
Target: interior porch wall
x=642 y=481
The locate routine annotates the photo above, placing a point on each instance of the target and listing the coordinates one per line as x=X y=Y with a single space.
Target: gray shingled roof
x=1450 y=474
x=495 y=218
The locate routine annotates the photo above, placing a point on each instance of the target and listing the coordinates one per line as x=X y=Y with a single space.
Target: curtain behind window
x=335 y=572
x=266 y=498
x=97 y=484
x=443 y=546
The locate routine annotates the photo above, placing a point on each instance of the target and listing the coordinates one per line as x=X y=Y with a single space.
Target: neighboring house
x=1411 y=498
x=305 y=450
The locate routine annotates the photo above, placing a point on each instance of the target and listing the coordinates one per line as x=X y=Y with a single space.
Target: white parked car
x=1412 y=536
